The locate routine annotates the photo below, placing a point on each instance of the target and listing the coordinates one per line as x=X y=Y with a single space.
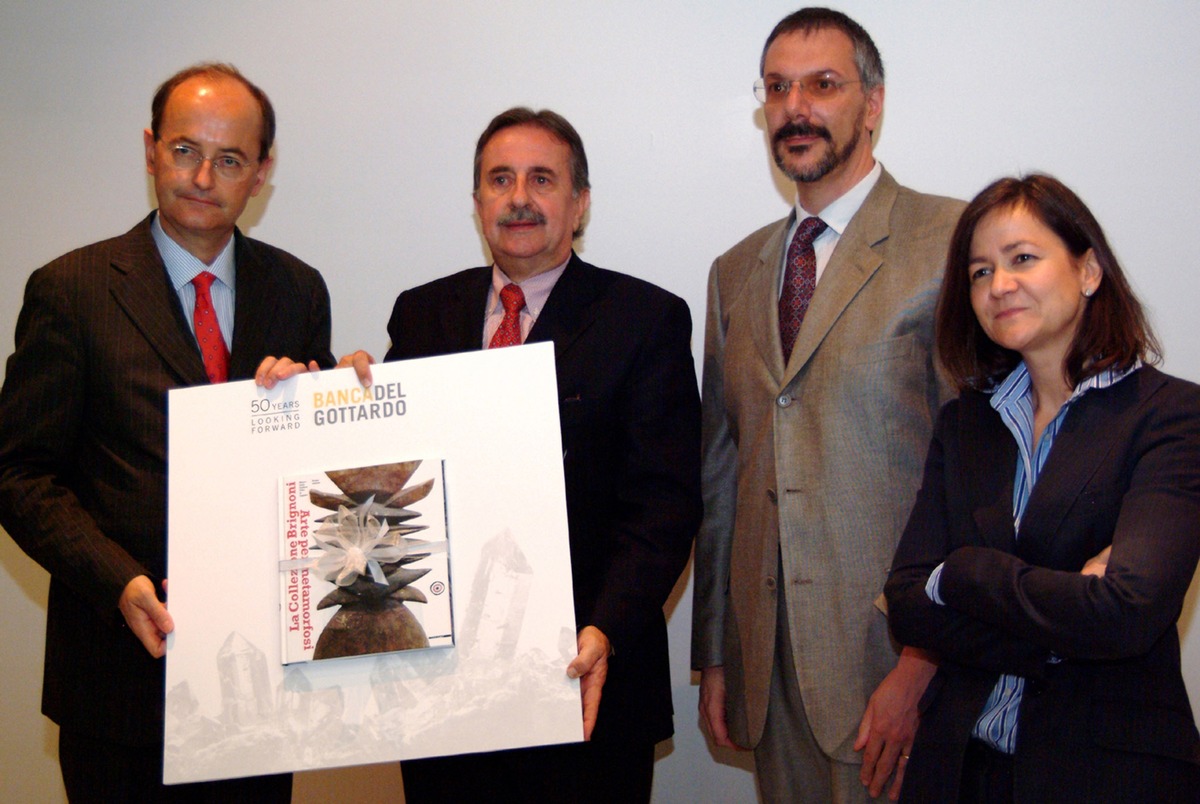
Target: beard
x=833 y=157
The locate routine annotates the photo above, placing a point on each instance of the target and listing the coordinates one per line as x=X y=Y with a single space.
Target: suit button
x=771 y=584
x=771 y=495
x=783 y=400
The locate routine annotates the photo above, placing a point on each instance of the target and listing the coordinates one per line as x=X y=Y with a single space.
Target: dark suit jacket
x=100 y=340
x=1125 y=471
x=630 y=417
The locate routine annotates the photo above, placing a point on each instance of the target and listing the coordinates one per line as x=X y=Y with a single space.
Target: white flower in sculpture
x=354 y=546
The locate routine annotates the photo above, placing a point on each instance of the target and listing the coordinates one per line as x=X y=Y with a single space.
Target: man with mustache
x=630 y=417
x=819 y=397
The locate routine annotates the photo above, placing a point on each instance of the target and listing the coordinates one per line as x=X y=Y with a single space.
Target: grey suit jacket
x=100 y=340
x=816 y=462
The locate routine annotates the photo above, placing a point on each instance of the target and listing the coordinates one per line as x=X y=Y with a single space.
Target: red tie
x=799 y=282
x=509 y=331
x=208 y=331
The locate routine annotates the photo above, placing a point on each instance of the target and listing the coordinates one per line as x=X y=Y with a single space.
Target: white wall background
x=379 y=104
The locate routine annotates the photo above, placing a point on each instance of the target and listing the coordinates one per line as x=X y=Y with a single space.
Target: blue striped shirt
x=1013 y=400
x=182 y=267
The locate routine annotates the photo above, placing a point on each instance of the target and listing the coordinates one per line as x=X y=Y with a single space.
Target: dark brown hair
x=1113 y=332
x=215 y=70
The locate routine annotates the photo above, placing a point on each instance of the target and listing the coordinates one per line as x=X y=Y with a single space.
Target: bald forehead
x=202 y=87
x=214 y=98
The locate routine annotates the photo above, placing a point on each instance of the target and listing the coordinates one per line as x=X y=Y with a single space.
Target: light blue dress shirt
x=182 y=268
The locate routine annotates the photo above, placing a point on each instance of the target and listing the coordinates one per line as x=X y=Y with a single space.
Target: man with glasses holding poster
x=181 y=299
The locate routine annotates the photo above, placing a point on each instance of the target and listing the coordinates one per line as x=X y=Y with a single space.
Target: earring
x=1087 y=294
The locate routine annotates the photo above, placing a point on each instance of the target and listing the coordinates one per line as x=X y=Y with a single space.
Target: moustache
x=521 y=215
x=801 y=130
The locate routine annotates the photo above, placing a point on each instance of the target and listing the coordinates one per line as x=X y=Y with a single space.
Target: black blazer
x=630 y=417
x=1125 y=471
x=100 y=340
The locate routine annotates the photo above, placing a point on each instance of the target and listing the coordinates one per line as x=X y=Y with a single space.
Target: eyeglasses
x=185 y=157
x=814 y=87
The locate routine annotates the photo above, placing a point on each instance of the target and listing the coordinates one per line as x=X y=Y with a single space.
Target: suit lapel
x=1084 y=442
x=570 y=309
x=989 y=463
x=762 y=291
x=462 y=322
x=852 y=265
x=141 y=288
x=254 y=309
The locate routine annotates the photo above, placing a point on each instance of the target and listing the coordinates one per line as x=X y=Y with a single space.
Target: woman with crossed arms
x=1057 y=527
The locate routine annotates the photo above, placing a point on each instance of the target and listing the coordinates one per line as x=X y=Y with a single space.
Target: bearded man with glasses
x=819 y=397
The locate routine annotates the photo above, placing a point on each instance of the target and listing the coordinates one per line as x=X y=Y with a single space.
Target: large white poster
x=436 y=492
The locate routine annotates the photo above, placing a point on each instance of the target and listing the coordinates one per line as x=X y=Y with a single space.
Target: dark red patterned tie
x=799 y=282
x=208 y=331
x=509 y=331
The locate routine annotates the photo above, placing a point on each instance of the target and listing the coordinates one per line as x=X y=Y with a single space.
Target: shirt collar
x=1017 y=385
x=536 y=288
x=838 y=214
x=182 y=266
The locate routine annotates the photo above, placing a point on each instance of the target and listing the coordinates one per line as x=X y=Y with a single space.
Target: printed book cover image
x=364 y=564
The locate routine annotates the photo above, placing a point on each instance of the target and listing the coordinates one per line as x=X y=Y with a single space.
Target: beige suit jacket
x=816 y=462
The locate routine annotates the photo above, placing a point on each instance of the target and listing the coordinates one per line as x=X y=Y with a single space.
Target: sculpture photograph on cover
x=352 y=562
